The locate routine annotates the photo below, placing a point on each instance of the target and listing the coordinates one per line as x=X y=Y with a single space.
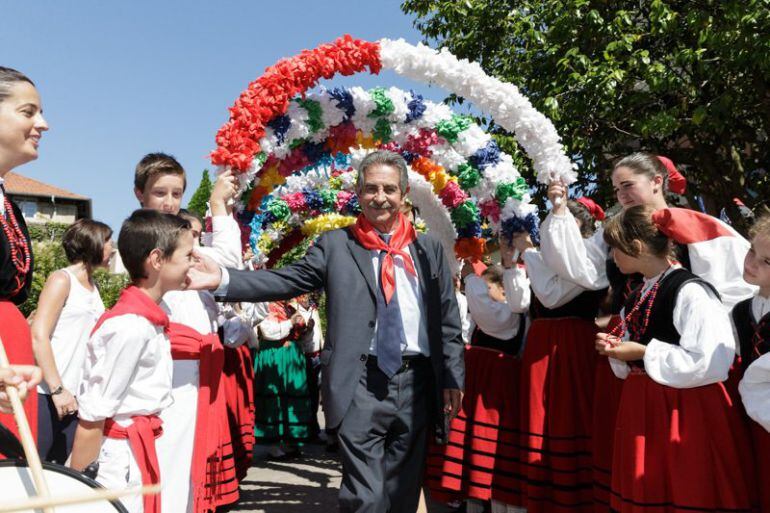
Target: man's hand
x=23 y=377
x=205 y=274
x=453 y=399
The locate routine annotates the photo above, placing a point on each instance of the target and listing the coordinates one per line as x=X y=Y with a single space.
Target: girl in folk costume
x=715 y=254
x=21 y=127
x=159 y=184
x=67 y=311
x=480 y=460
x=281 y=397
x=751 y=319
x=556 y=387
x=127 y=377
x=680 y=441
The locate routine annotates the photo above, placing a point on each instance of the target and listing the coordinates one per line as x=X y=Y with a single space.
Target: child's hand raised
x=222 y=193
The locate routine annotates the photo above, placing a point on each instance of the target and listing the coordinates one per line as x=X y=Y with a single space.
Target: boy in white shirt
x=128 y=371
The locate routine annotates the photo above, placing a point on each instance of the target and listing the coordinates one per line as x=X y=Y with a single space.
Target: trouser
x=313 y=370
x=383 y=440
x=54 y=435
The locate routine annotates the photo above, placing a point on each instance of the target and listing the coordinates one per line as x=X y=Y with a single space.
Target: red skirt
x=680 y=450
x=607 y=390
x=557 y=382
x=17 y=340
x=238 y=381
x=481 y=459
x=761 y=439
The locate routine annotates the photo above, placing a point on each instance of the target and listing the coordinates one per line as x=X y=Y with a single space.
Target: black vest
x=750 y=332
x=661 y=322
x=585 y=306
x=622 y=285
x=511 y=347
x=7 y=270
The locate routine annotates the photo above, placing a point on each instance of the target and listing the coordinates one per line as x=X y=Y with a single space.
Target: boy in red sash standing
x=128 y=371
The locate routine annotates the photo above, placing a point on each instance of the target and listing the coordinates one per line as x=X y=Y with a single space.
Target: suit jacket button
x=363 y=357
x=371 y=324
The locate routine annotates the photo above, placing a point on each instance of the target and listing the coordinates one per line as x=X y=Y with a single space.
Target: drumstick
x=27 y=440
x=77 y=498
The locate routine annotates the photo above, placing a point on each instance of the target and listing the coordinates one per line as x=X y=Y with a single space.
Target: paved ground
x=308 y=484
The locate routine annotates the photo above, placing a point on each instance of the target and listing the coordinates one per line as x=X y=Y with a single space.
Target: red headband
x=593 y=208
x=677 y=183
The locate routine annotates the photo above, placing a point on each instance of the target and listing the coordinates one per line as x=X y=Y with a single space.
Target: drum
x=17 y=484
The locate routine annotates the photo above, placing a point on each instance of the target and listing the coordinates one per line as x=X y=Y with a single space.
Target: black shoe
x=333 y=447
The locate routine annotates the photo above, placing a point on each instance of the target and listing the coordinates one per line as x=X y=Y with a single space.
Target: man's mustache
x=380 y=206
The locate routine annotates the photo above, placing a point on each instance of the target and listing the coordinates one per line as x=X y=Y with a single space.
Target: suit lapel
x=363 y=259
x=422 y=264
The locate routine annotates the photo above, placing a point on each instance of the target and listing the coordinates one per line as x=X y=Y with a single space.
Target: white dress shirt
x=409 y=302
x=128 y=371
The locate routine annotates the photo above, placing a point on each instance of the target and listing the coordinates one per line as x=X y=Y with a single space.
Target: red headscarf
x=593 y=208
x=404 y=235
x=677 y=183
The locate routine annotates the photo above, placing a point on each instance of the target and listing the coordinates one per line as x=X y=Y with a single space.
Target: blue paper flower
x=514 y=225
x=416 y=107
x=280 y=126
x=344 y=101
x=486 y=156
x=313 y=199
x=472 y=229
x=315 y=151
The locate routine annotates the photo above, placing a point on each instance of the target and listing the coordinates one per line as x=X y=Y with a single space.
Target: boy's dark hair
x=156 y=164
x=84 y=241
x=190 y=216
x=144 y=231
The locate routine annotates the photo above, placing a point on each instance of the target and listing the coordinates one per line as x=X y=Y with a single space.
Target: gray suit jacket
x=343 y=268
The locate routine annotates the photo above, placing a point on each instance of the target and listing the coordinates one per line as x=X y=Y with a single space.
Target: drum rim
x=66 y=471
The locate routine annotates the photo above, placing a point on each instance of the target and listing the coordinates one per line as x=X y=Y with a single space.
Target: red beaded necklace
x=646 y=300
x=21 y=256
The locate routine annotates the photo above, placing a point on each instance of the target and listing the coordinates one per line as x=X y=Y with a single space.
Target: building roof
x=22 y=185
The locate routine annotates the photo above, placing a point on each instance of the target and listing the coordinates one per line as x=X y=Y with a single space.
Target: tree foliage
x=683 y=78
x=201 y=196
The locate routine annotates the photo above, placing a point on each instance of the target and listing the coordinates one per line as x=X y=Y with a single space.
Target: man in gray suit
x=393 y=361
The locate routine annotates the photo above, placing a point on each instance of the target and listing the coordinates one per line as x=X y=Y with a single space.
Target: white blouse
x=499 y=320
x=128 y=371
x=223 y=244
x=550 y=289
x=718 y=261
x=706 y=347
x=755 y=385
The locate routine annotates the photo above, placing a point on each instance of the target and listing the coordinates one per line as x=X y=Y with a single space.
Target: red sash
x=141 y=437
x=207 y=463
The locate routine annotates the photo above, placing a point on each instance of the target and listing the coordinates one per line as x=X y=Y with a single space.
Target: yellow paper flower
x=325 y=223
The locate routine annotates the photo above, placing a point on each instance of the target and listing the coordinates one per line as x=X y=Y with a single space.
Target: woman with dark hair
x=67 y=311
x=21 y=127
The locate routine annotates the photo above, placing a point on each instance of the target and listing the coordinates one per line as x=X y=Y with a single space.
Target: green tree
x=687 y=79
x=201 y=196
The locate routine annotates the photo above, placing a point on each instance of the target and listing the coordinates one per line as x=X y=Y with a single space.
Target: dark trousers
x=313 y=369
x=54 y=436
x=383 y=440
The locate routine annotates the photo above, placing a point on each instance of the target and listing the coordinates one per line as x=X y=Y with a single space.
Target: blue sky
x=121 y=79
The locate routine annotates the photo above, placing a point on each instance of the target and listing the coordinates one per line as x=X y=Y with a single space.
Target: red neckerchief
x=134 y=301
x=404 y=235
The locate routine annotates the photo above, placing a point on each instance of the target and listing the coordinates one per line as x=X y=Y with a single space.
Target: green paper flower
x=516 y=190
x=468 y=176
x=314 y=112
x=279 y=209
x=329 y=198
x=382 y=130
x=464 y=214
x=449 y=128
x=384 y=105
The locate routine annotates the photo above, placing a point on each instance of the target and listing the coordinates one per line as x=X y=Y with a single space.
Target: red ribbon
x=593 y=208
x=141 y=435
x=404 y=235
x=133 y=301
x=677 y=183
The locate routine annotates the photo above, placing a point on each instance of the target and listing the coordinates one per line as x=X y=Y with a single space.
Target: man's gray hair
x=386 y=158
